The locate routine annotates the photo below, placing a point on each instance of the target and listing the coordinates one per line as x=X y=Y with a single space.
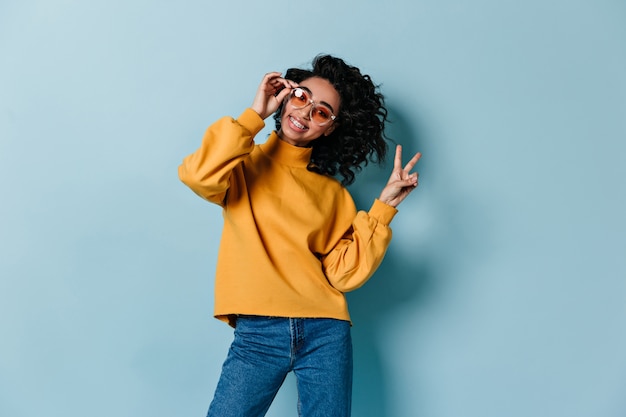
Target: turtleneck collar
x=285 y=153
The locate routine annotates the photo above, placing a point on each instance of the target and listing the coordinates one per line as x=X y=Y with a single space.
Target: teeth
x=297 y=124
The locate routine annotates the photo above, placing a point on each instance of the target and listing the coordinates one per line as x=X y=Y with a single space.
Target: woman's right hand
x=271 y=92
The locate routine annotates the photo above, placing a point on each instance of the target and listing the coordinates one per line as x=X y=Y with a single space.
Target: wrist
x=386 y=200
x=382 y=211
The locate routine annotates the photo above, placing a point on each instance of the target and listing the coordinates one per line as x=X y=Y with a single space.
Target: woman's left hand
x=402 y=181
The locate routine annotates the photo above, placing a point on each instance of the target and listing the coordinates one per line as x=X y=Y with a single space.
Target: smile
x=297 y=123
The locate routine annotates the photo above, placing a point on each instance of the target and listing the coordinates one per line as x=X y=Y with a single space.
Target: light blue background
x=503 y=292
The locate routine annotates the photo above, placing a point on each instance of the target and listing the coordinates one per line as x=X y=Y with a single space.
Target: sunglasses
x=320 y=113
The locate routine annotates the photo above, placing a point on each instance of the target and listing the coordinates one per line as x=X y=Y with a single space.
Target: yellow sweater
x=292 y=241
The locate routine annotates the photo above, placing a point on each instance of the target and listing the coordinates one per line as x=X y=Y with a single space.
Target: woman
x=293 y=242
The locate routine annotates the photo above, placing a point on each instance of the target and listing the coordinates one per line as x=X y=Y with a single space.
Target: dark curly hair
x=359 y=136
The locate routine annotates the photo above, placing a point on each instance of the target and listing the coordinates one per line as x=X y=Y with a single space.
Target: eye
x=300 y=96
x=322 y=112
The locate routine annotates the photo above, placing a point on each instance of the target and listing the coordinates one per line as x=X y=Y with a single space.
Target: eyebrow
x=321 y=102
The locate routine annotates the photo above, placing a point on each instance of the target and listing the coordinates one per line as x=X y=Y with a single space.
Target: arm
x=357 y=255
x=226 y=143
x=360 y=251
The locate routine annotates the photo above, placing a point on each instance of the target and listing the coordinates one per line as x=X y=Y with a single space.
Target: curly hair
x=359 y=134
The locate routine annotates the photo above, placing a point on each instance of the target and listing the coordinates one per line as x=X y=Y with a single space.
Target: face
x=296 y=126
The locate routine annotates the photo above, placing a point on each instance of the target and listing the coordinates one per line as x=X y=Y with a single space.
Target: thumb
x=282 y=94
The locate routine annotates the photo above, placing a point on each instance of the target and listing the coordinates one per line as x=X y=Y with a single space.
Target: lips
x=295 y=123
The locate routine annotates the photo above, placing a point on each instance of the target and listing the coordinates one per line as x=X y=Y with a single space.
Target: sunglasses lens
x=299 y=98
x=320 y=114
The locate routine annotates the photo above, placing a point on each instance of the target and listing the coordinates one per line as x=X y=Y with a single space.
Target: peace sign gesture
x=402 y=181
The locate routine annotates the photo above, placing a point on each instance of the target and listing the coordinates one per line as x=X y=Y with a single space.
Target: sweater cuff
x=251 y=120
x=384 y=213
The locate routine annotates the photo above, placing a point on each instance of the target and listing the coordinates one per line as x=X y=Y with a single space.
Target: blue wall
x=504 y=290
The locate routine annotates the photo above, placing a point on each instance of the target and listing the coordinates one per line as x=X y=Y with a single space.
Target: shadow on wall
x=398 y=282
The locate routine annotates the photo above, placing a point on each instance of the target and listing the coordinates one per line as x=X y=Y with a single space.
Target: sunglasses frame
x=312 y=103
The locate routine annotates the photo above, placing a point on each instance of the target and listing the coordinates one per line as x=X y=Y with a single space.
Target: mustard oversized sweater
x=292 y=241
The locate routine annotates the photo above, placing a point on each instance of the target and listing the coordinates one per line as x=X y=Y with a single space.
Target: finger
x=409 y=166
x=271 y=75
x=407 y=182
x=292 y=84
x=401 y=183
x=282 y=94
x=277 y=82
x=280 y=86
x=271 y=79
x=285 y=83
x=397 y=163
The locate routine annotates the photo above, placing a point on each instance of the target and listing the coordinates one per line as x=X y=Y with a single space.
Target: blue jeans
x=266 y=349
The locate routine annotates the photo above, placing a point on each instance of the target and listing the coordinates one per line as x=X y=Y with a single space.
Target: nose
x=305 y=111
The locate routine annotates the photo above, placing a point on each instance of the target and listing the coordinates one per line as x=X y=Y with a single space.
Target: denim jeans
x=266 y=349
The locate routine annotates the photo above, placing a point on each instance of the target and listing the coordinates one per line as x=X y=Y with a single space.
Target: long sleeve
x=225 y=144
x=361 y=250
x=292 y=241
